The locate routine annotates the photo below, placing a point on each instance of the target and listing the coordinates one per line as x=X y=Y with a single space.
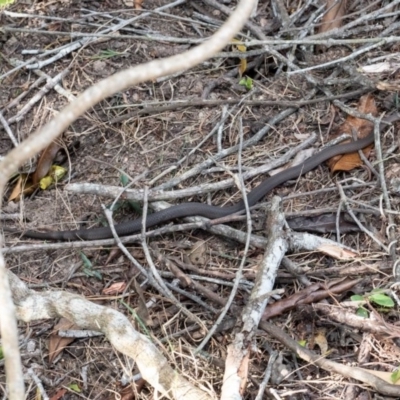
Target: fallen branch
x=154 y=367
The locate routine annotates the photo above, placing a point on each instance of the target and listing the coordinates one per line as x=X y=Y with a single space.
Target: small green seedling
x=377 y=296
x=246 y=82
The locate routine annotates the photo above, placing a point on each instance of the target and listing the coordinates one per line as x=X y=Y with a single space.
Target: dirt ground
x=146 y=133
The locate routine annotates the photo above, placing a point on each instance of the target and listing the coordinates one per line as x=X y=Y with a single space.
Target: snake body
x=205 y=210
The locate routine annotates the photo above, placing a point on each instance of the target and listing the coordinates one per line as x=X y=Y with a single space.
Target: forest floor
x=156 y=131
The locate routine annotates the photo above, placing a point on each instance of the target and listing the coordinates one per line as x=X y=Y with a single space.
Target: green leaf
x=1 y=353
x=395 y=376
x=362 y=312
x=377 y=290
x=124 y=180
x=86 y=262
x=74 y=387
x=302 y=343
x=356 y=297
x=381 y=299
x=93 y=273
x=6 y=2
x=88 y=268
x=246 y=82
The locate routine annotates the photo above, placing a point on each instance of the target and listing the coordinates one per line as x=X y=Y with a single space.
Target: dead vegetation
x=191 y=136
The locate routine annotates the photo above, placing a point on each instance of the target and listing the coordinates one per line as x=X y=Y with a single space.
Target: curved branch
x=154 y=367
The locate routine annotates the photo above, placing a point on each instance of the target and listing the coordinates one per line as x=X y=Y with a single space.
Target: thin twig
x=343 y=198
x=239 y=272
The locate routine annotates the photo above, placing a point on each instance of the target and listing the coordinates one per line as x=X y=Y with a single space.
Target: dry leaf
x=27 y=183
x=321 y=342
x=115 y=288
x=243 y=62
x=24 y=186
x=45 y=161
x=59 y=394
x=301 y=136
x=337 y=252
x=242 y=66
x=362 y=128
x=333 y=18
x=197 y=255
x=57 y=343
x=377 y=68
x=138 y=4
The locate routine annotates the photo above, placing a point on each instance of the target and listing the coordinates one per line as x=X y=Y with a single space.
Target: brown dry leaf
x=333 y=18
x=115 y=288
x=321 y=342
x=362 y=128
x=198 y=255
x=45 y=161
x=138 y=4
x=59 y=394
x=243 y=62
x=242 y=66
x=337 y=252
x=24 y=186
x=57 y=343
x=129 y=392
x=27 y=183
x=126 y=393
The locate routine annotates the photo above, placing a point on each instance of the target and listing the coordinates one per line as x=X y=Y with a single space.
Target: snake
x=192 y=209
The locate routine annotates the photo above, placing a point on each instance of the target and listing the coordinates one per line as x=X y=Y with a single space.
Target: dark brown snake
x=205 y=210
